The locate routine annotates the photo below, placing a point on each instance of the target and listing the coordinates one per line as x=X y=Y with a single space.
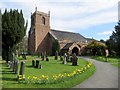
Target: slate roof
x=61 y=35
x=67 y=46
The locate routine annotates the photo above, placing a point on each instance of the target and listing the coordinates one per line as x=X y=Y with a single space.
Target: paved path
x=106 y=76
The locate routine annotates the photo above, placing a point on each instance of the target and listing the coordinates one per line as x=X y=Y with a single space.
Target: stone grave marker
x=61 y=58
x=65 y=58
x=33 y=63
x=22 y=68
x=56 y=55
x=16 y=66
x=47 y=59
x=74 y=60
x=37 y=64
x=68 y=57
x=40 y=66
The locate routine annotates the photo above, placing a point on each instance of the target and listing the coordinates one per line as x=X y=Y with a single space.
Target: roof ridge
x=64 y=31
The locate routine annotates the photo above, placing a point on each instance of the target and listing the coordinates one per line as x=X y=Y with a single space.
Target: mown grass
x=50 y=68
x=112 y=60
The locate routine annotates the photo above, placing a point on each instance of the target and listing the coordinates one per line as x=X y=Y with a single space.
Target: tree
x=13 y=31
x=95 y=48
x=114 y=41
x=55 y=47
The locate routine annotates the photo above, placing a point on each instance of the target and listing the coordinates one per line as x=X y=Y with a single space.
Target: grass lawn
x=113 y=61
x=53 y=67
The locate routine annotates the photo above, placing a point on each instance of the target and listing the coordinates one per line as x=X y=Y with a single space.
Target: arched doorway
x=75 y=50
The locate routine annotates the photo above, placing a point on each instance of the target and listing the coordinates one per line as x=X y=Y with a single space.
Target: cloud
x=105 y=33
x=70 y=15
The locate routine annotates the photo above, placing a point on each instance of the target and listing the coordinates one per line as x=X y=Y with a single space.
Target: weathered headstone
x=13 y=65
x=22 y=68
x=37 y=64
x=16 y=66
x=33 y=63
x=71 y=59
x=47 y=59
x=68 y=57
x=42 y=56
x=56 y=55
x=65 y=58
x=75 y=59
x=61 y=58
x=40 y=66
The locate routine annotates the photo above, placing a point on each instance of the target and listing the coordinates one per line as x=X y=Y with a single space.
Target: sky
x=91 y=18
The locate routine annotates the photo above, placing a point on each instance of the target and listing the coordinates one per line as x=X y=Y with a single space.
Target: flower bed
x=44 y=79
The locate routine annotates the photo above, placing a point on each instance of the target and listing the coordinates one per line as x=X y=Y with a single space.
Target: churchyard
x=50 y=72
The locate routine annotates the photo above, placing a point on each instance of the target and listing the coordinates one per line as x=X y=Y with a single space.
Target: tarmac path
x=106 y=76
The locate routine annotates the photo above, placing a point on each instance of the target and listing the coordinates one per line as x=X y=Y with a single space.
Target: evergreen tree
x=114 y=41
x=55 y=47
x=13 y=31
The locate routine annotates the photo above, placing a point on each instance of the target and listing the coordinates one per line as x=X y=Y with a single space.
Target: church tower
x=38 y=34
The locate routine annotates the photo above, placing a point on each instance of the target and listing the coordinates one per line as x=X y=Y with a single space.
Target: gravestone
x=33 y=63
x=71 y=59
x=40 y=66
x=56 y=55
x=61 y=58
x=65 y=58
x=47 y=59
x=16 y=66
x=74 y=60
x=42 y=56
x=37 y=64
x=22 y=68
x=13 y=65
x=68 y=57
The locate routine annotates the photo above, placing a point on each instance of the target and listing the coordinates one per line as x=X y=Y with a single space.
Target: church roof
x=73 y=37
x=67 y=45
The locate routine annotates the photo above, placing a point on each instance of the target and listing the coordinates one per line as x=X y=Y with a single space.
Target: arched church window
x=43 y=20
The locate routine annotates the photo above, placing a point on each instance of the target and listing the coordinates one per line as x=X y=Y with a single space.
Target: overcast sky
x=90 y=18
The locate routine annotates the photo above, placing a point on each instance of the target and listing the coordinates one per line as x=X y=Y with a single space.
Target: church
x=41 y=37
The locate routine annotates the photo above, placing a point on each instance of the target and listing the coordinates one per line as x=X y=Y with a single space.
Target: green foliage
x=114 y=41
x=112 y=60
x=95 y=48
x=13 y=31
x=55 y=47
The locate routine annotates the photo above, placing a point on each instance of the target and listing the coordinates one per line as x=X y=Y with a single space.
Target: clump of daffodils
x=43 y=79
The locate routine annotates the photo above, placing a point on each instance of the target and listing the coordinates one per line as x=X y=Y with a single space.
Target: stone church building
x=41 y=36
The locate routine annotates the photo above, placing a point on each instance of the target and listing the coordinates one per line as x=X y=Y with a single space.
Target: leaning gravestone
x=16 y=66
x=22 y=68
x=65 y=58
x=37 y=64
x=74 y=60
x=33 y=63
x=56 y=55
